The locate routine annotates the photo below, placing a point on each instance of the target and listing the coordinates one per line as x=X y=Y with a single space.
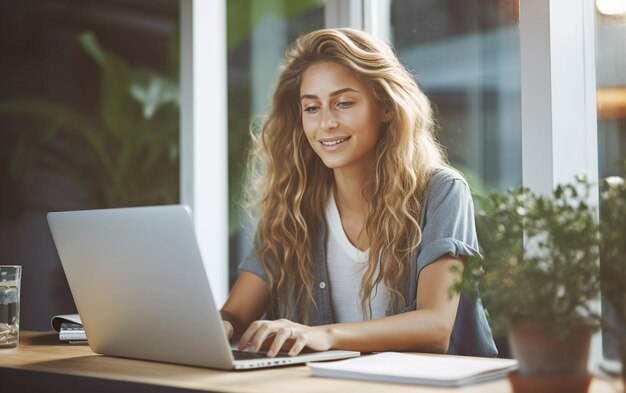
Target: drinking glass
x=10 y=277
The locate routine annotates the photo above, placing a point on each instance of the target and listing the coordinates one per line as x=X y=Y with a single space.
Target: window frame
x=204 y=133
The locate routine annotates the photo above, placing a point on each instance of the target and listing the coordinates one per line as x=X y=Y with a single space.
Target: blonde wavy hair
x=291 y=186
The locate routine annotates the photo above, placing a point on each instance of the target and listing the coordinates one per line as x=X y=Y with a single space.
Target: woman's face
x=340 y=116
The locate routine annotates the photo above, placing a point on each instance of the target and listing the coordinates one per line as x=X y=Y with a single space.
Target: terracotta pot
x=551 y=359
x=550 y=384
x=546 y=349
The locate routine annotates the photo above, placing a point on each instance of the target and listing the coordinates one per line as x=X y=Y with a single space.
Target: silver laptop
x=142 y=289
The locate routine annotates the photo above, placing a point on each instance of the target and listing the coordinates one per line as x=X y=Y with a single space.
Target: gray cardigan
x=447 y=223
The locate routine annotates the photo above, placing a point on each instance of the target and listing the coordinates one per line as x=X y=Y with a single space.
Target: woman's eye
x=345 y=104
x=311 y=109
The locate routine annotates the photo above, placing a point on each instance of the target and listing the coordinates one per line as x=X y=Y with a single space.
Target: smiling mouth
x=335 y=142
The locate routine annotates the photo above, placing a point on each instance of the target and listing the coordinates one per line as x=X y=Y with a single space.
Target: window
x=258 y=35
x=611 y=97
x=467 y=60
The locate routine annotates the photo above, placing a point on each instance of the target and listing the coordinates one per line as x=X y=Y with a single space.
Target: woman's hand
x=228 y=329
x=284 y=333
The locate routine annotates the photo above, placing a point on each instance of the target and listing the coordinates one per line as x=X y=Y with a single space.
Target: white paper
x=441 y=370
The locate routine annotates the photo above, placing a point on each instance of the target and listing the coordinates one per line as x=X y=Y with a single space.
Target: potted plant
x=536 y=279
x=613 y=258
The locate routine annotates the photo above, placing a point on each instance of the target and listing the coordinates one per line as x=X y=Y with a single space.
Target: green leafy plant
x=127 y=155
x=539 y=253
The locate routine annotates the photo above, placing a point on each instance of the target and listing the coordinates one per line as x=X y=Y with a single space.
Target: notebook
x=142 y=289
x=70 y=328
x=420 y=369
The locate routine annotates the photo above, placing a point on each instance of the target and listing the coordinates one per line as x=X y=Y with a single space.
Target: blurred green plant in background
x=128 y=155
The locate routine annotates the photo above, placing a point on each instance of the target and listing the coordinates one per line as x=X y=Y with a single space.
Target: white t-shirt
x=346 y=266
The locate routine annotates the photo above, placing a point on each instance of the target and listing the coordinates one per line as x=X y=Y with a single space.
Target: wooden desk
x=42 y=363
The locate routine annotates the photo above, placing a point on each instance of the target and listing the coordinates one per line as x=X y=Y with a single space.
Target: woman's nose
x=329 y=121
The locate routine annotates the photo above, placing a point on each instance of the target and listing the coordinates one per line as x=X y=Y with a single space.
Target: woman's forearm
x=420 y=331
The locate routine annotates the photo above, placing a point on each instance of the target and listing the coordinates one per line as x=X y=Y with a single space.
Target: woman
x=360 y=219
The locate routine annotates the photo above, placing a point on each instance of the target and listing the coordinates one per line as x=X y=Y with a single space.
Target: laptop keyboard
x=246 y=355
